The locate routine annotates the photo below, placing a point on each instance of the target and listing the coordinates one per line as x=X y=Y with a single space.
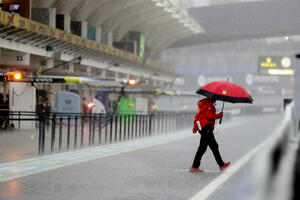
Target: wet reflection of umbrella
x=225 y=91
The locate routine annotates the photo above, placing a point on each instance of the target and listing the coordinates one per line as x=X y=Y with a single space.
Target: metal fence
x=68 y=131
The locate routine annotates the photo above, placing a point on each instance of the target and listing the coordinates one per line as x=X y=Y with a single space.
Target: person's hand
x=194 y=131
x=221 y=114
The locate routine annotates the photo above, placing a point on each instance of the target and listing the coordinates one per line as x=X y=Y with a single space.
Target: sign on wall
x=142 y=46
x=275 y=65
x=67 y=102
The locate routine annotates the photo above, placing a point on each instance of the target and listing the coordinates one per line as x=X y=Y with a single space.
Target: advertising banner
x=275 y=65
x=142 y=46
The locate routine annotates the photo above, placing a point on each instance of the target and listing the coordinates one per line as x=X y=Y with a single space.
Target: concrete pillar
x=50 y=63
x=44 y=15
x=84 y=29
x=67 y=23
x=98 y=34
x=83 y=70
x=110 y=38
x=52 y=88
x=155 y=83
x=68 y=68
x=89 y=70
x=135 y=48
x=52 y=17
x=116 y=74
x=104 y=73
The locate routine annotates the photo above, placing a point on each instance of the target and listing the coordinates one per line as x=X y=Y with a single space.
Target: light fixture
x=286 y=62
x=90 y=105
x=131 y=82
x=17 y=76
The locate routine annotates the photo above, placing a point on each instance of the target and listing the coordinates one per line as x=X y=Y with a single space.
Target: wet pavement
x=158 y=171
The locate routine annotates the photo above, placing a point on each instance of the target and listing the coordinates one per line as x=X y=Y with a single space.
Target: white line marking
x=217 y=182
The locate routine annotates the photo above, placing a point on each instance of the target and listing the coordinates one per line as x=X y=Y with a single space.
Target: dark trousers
x=207 y=139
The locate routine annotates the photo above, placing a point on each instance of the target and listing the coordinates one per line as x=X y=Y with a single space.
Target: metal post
x=99 y=122
x=40 y=135
x=68 y=133
x=132 y=127
x=94 y=127
x=53 y=133
x=143 y=130
x=161 y=120
x=120 y=128
x=43 y=140
x=60 y=133
x=124 y=128
x=111 y=125
x=75 y=134
x=174 y=122
x=106 y=125
x=146 y=126
x=150 y=124
x=116 y=128
x=136 y=126
x=140 y=125
x=82 y=131
x=128 y=126
x=90 y=130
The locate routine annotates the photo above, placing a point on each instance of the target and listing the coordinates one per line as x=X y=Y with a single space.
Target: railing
x=84 y=130
x=276 y=171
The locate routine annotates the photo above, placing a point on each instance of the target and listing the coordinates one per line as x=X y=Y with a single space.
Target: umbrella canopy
x=225 y=91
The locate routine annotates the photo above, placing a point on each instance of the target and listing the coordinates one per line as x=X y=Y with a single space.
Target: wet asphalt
x=157 y=172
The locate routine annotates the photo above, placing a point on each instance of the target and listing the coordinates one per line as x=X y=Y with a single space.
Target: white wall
x=141 y=106
x=22 y=97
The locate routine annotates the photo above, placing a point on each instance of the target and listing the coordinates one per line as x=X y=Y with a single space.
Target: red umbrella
x=225 y=91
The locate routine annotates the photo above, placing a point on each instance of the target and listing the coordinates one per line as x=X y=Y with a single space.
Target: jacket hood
x=202 y=102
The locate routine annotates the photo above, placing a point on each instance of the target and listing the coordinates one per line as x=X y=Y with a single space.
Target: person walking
x=204 y=123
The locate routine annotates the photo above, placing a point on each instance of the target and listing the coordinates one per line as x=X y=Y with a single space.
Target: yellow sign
x=268 y=63
x=72 y=80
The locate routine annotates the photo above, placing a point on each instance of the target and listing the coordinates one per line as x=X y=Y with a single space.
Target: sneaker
x=193 y=169
x=222 y=168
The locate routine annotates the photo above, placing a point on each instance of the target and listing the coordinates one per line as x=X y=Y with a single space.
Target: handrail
x=274 y=168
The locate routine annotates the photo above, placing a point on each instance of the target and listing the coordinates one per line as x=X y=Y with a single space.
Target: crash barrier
x=65 y=131
x=276 y=170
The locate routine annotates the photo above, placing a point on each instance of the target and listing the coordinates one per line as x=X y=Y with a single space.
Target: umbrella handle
x=220 y=122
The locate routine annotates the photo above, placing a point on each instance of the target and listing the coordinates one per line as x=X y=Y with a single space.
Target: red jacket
x=206 y=114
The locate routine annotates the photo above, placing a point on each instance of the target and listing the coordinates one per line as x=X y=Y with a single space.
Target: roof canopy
x=161 y=21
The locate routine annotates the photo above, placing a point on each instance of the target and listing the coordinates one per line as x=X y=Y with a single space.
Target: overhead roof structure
x=161 y=21
x=244 y=19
